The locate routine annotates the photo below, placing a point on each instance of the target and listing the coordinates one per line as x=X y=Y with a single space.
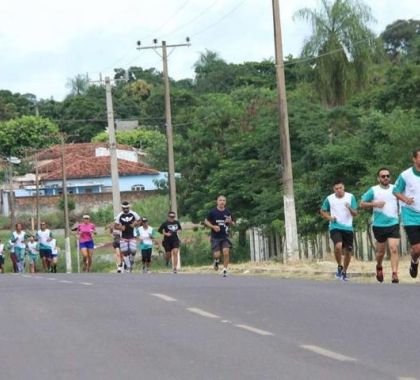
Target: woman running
x=86 y=230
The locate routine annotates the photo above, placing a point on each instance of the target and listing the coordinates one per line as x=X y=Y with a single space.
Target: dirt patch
x=359 y=271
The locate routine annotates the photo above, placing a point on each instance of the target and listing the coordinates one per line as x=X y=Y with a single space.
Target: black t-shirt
x=170 y=226
x=218 y=218
x=127 y=220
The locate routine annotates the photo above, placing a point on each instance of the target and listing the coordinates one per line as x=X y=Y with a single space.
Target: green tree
x=402 y=39
x=342 y=47
x=16 y=135
x=150 y=141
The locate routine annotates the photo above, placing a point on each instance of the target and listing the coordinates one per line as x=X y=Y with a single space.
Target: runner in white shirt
x=385 y=223
x=145 y=236
x=339 y=209
x=33 y=249
x=19 y=240
x=407 y=190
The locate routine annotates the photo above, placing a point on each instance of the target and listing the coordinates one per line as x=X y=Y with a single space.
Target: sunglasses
x=385 y=176
x=171 y=216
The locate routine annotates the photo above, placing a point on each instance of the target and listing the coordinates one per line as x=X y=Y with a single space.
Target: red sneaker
x=395 y=279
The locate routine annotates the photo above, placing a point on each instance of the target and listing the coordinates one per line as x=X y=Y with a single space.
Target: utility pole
x=66 y=206
x=291 y=249
x=168 y=116
x=116 y=197
x=38 y=216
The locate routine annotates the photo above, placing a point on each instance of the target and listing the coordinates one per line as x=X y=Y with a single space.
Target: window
x=137 y=188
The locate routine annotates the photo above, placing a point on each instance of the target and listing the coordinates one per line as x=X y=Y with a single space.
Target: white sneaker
x=224 y=272
x=119 y=269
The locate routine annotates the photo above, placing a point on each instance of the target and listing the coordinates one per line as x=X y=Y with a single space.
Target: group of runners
x=25 y=247
x=391 y=203
x=132 y=232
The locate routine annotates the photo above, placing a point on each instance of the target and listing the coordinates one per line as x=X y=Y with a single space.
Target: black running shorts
x=342 y=236
x=217 y=245
x=169 y=245
x=413 y=234
x=383 y=233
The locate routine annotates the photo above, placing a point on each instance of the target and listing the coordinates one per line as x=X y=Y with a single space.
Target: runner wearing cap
x=145 y=235
x=86 y=230
x=126 y=221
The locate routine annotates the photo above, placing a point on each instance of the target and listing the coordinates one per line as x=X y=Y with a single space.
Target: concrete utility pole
x=66 y=206
x=291 y=249
x=38 y=216
x=168 y=117
x=12 y=161
x=116 y=197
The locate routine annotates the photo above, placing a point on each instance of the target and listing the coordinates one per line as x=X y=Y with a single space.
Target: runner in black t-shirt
x=126 y=221
x=170 y=230
x=219 y=220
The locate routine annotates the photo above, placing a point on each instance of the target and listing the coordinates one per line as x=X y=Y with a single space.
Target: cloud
x=45 y=42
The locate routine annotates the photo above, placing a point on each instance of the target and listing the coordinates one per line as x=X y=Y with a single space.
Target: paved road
x=165 y=326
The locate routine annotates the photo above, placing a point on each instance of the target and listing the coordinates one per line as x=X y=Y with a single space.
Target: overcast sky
x=45 y=42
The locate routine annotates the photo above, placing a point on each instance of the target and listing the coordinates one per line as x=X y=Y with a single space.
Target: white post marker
x=78 y=256
x=68 y=254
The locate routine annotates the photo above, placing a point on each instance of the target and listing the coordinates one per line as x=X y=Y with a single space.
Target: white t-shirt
x=32 y=246
x=145 y=235
x=19 y=239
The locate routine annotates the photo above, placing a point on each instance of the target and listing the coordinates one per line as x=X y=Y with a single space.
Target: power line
x=202 y=13
x=153 y=32
x=220 y=19
x=130 y=49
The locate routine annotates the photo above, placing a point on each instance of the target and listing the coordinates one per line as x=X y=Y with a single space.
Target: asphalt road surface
x=179 y=326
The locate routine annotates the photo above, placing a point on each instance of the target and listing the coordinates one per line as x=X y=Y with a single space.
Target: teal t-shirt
x=408 y=183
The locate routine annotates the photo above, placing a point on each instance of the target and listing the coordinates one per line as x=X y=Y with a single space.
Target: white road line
x=26 y=276
x=66 y=282
x=86 y=283
x=407 y=378
x=255 y=330
x=163 y=297
x=50 y=278
x=328 y=353
x=203 y=313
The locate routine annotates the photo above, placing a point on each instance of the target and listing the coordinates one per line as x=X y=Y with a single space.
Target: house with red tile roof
x=88 y=170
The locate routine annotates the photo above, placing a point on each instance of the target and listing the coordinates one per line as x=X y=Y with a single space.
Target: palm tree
x=342 y=47
x=78 y=85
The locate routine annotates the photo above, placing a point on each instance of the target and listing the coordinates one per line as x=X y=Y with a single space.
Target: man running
x=385 y=224
x=126 y=221
x=170 y=230
x=219 y=220
x=339 y=209
x=407 y=190
x=44 y=236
